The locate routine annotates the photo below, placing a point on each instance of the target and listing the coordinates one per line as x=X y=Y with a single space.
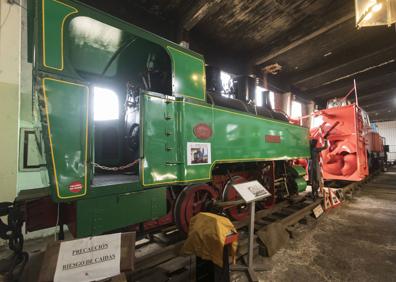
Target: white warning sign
x=89 y=259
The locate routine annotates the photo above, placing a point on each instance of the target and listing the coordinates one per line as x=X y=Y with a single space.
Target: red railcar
x=353 y=148
x=375 y=147
x=374 y=143
x=345 y=157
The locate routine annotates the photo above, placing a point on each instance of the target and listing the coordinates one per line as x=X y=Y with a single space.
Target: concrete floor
x=355 y=242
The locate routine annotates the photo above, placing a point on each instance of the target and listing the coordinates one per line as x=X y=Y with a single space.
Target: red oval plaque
x=202 y=131
x=75 y=187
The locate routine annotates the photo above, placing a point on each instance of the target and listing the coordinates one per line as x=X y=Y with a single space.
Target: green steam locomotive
x=129 y=135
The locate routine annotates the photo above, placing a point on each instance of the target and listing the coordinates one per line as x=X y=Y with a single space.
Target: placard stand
x=251 y=192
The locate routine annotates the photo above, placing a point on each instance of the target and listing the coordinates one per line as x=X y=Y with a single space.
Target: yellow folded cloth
x=207 y=235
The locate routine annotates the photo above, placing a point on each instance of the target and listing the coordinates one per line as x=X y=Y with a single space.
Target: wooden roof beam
x=198 y=11
x=276 y=51
x=366 y=97
x=386 y=102
x=366 y=93
x=381 y=113
x=363 y=80
x=383 y=117
x=384 y=54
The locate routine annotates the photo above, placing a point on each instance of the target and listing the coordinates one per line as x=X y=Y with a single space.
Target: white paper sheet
x=89 y=259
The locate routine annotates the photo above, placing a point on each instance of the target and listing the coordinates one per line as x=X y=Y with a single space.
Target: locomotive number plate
x=272 y=139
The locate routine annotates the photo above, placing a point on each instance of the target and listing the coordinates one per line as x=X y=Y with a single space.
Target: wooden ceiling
x=314 y=41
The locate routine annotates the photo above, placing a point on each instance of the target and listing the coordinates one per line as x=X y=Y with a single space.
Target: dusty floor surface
x=356 y=242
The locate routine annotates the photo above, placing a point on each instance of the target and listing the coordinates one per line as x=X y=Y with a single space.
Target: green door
x=65 y=115
x=64 y=102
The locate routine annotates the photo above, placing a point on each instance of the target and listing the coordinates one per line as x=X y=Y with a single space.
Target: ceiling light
x=375 y=12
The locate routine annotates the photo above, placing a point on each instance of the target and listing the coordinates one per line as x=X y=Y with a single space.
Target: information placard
x=89 y=259
x=318 y=211
x=251 y=191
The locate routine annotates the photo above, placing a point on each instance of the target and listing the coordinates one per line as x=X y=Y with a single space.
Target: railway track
x=157 y=261
x=160 y=259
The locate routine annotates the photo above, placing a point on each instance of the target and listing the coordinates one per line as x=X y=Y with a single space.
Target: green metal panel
x=188 y=74
x=54 y=15
x=66 y=114
x=53 y=42
x=161 y=129
x=301 y=184
x=299 y=171
x=98 y=215
x=237 y=137
x=114 y=189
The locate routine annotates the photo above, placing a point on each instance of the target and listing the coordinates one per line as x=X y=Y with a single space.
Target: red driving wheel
x=192 y=200
x=239 y=212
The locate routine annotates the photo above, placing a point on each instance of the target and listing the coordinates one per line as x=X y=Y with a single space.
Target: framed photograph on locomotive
x=132 y=138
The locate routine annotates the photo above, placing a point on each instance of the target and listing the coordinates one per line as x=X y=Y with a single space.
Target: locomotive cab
x=124 y=65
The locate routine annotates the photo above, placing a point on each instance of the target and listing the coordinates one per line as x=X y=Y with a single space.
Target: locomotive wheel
x=192 y=200
x=230 y=194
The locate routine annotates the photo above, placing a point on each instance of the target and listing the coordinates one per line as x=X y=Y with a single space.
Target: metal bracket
x=173 y=163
